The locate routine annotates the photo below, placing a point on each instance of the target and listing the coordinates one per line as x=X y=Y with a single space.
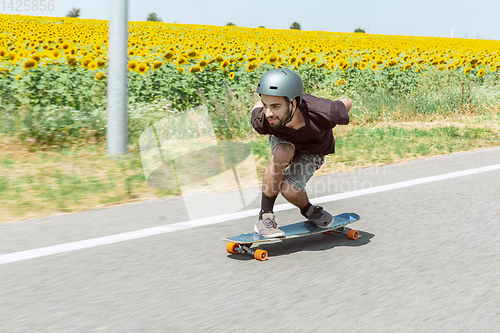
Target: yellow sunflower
x=405 y=67
x=132 y=65
x=231 y=75
x=157 y=65
x=224 y=64
x=181 y=61
x=72 y=61
x=86 y=62
x=22 y=54
x=92 y=65
x=101 y=63
x=252 y=65
x=343 y=64
x=142 y=68
x=30 y=64
x=252 y=58
x=391 y=63
x=11 y=55
x=194 y=69
x=168 y=56
x=481 y=72
x=340 y=82
x=36 y=57
x=55 y=54
x=272 y=59
x=100 y=76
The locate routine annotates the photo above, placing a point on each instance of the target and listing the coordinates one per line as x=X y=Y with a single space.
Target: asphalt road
x=427 y=261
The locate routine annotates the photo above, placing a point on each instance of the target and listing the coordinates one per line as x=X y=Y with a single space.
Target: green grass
x=37 y=184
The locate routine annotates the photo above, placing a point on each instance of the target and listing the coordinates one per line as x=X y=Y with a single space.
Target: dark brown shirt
x=320 y=116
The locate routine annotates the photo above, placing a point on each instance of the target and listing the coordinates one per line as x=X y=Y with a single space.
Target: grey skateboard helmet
x=281 y=82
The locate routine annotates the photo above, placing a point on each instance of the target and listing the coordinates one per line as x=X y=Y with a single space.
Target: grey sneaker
x=267 y=227
x=319 y=216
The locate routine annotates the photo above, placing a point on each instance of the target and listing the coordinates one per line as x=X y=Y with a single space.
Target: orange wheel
x=327 y=232
x=353 y=234
x=260 y=255
x=232 y=247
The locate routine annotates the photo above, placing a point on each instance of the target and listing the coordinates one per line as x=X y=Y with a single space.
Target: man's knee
x=283 y=154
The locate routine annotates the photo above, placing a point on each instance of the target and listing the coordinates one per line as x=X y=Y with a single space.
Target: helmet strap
x=290 y=117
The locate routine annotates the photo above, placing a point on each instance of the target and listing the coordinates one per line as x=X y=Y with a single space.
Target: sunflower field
x=53 y=72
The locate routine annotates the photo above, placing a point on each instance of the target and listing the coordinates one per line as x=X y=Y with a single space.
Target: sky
x=432 y=18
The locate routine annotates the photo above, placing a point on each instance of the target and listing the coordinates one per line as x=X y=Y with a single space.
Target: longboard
x=243 y=242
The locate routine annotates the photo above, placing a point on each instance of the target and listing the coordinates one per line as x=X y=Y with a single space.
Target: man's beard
x=280 y=121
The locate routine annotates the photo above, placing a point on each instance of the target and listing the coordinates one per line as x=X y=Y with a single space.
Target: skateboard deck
x=242 y=243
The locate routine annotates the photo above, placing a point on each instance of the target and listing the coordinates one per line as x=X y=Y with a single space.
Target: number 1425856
x=27 y=5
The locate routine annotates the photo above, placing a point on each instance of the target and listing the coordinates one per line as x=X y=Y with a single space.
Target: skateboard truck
x=258 y=254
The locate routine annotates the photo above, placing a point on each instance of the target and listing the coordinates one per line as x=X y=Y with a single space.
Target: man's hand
x=347 y=102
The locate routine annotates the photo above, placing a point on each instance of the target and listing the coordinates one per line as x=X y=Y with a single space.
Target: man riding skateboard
x=300 y=134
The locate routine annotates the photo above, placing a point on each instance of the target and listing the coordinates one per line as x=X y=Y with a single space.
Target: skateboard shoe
x=267 y=227
x=319 y=216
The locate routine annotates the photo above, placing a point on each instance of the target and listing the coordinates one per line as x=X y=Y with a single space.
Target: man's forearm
x=347 y=102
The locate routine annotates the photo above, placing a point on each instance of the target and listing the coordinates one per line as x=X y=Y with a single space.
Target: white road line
x=88 y=243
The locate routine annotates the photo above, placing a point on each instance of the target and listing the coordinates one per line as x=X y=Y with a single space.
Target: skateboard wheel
x=260 y=255
x=327 y=232
x=232 y=247
x=353 y=234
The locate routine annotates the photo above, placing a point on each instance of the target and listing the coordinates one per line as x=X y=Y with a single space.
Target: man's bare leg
x=273 y=177
x=275 y=170
x=294 y=196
